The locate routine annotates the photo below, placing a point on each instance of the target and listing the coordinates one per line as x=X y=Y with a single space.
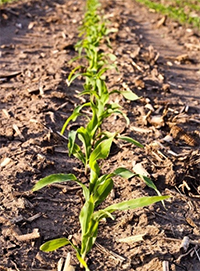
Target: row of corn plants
x=90 y=143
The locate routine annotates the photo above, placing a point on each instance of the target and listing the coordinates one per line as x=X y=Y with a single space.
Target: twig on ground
x=109 y=252
x=165 y=266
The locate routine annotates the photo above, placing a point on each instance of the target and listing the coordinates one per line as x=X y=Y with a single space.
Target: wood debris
x=165 y=265
x=179 y=133
x=110 y=253
x=64 y=265
x=161 y=22
x=138 y=168
x=5 y=162
x=7 y=76
x=131 y=239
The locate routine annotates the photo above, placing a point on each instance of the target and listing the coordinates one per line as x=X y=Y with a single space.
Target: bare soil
x=160 y=61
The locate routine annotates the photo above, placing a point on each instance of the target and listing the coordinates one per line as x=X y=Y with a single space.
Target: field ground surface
x=160 y=61
x=185 y=11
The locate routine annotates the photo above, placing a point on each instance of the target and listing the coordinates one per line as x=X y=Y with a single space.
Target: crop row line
x=91 y=143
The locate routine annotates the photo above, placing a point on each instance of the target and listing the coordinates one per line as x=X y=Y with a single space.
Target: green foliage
x=6 y=1
x=127 y=205
x=54 y=244
x=54 y=178
x=89 y=218
x=57 y=178
x=179 y=10
x=90 y=143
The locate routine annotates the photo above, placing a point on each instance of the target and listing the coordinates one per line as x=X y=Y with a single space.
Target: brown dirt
x=160 y=61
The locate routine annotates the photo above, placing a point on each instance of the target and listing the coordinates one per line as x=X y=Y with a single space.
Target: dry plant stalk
x=179 y=133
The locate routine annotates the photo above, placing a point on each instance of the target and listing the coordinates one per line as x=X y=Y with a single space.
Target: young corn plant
x=99 y=188
x=92 y=134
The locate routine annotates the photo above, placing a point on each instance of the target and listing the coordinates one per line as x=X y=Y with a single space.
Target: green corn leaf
x=89 y=89
x=109 y=134
x=101 y=151
x=111 y=30
x=77 y=152
x=91 y=73
x=86 y=139
x=117 y=111
x=72 y=76
x=107 y=110
x=72 y=137
x=103 y=136
x=103 y=178
x=54 y=178
x=113 y=106
x=100 y=110
x=149 y=183
x=102 y=191
x=86 y=214
x=94 y=175
x=89 y=238
x=124 y=172
x=54 y=244
x=82 y=262
x=74 y=59
x=74 y=116
x=60 y=177
x=114 y=109
x=75 y=148
x=134 y=203
x=127 y=174
x=93 y=124
x=115 y=91
x=129 y=95
x=126 y=205
x=101 y=72
x=99 y=139
x=102 y=91
x=125 y=117
x=131 y=140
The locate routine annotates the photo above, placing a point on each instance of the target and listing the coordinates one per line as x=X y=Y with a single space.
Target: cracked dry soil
x=160 y=61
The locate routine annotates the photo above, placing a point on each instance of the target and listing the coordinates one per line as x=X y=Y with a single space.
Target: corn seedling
x=92 y=135
x=95 y=143
x=99 y=188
